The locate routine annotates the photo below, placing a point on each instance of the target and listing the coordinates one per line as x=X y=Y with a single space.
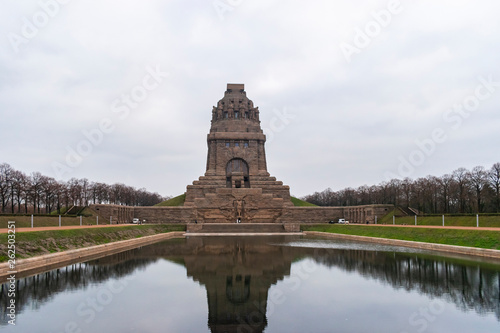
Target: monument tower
x=236 y=185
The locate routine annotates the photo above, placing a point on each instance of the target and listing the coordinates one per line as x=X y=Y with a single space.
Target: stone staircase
x=241 y=228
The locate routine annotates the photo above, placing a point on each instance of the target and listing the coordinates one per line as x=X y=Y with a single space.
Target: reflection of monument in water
x=237 y=276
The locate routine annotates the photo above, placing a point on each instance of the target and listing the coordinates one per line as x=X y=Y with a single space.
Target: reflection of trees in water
x=243 y=270
x=468 y=286
x=36 y=290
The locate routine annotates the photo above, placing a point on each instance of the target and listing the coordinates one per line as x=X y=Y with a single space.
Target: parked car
x=135 y=221
x=340 y=221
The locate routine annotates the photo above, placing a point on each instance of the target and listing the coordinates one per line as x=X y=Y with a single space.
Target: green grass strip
x=29 y=244
x=473 y=238
x=301 y=203
x=450 y=220
x=174 y=202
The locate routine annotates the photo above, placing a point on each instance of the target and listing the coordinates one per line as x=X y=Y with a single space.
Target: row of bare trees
x=462 y=191
x=36 y=193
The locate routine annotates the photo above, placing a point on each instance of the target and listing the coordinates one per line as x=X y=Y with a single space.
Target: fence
x=446 y=220
x=33 y=221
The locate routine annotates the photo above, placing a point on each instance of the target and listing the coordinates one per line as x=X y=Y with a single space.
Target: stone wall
x=354 y=214
x=114 y=214
x=300 y=215
x=166 y=214
x=362 y=214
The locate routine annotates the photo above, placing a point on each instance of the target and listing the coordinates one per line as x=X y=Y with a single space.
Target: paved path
x=4 y=230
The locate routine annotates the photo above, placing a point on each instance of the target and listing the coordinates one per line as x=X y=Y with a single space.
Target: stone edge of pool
x=474 y=251
x=25 y=267
x=28 y=266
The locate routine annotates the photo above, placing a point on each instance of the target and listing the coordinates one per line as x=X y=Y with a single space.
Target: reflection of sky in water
x=355 y=287
x=346 y=245
x=158 y=299
x=331 y=300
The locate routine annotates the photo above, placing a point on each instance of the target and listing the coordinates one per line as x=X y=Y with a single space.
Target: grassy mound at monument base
x=179 y=201
x=174 y=202
x=474 y=238
x=301 y=203
x=35 y=243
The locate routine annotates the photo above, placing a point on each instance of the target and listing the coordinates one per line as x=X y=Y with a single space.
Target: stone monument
x=236 y=186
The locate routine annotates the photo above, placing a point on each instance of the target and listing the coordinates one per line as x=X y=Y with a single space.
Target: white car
x=343 y=221
x=135 y=221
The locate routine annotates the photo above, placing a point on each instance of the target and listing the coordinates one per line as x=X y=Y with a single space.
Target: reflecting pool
x=262 y=284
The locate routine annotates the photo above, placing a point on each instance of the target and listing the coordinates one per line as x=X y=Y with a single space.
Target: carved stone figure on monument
x=239 y=208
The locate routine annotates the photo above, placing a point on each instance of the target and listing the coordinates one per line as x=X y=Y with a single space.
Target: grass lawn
x=473 y=238
x=47 y=221
x=457 y=221
x=176 y=201
x=300 y=203
x=29 y=244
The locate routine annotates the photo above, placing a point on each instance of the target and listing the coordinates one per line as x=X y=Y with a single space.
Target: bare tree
x=365 y=195
x=86 y=193
x=461 y=177
x=445 y=183
x=462 y=191
x=59 y=194
x=37 y=192
x=50 y=187
x=36 y=188
x=431 y=194
x=18 y=187
x=407 y=190
x=479 y=181
x=65 y=193
x=75 y=191
x=26 y=192
x=102 y=193
x=494 y=179
x=5 y=184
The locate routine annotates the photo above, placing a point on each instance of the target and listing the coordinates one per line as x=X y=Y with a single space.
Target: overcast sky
x=350 y=92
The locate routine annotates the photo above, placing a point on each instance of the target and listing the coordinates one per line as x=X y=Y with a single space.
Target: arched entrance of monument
x=237 y=174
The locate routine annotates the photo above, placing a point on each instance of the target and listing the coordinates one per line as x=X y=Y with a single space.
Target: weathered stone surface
x=113 y=214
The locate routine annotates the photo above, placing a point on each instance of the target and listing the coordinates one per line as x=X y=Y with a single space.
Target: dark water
x=262 y=284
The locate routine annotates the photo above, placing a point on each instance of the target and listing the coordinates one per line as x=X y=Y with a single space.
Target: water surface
x=262 y=284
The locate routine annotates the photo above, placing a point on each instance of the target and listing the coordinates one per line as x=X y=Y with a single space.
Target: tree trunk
x=12 y=199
